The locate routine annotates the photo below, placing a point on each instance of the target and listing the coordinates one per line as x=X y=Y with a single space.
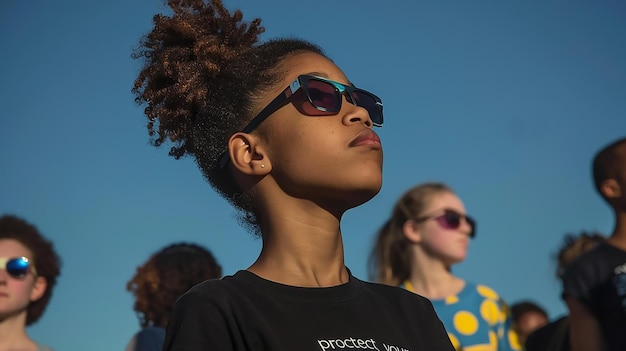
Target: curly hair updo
x=202 y=68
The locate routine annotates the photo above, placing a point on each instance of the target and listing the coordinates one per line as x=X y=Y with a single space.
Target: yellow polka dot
x=504 y=312
x=481 y=347
x=455 y=342
x=490 y=312
x=500 y=332
x=487 y=292
x=514 y=341
x=452 y=300
x=465 y=323
x=493 y=340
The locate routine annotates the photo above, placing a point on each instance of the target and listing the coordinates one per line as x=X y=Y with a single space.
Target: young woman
x=428 y=232
x=158 y=282
x=29 y=268
x=280 y=131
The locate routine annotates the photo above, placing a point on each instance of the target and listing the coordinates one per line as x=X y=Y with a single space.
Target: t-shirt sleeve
x=577 y=282
x=198 y=323
x=436 y=330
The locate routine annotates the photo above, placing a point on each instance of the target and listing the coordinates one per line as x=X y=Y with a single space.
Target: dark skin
x=586 y=334
x=529 y=322
x=303 y=175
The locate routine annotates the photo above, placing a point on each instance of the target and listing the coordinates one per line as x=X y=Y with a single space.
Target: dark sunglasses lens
x=451 y=220
x=323 y=96
x=17 y=267
x=472 y=224
x=368 y=102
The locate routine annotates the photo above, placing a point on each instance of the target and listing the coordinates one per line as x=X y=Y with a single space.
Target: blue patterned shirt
x=476 y=319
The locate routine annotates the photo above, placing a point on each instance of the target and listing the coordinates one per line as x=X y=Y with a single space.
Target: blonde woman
x=428 y=232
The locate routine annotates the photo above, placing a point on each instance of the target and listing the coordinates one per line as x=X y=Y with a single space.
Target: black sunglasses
x=17 y=267
x=325 y=96
x=451 y=219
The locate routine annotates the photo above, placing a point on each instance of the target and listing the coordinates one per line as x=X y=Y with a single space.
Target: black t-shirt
x=598 y=279
x=553 y=336
x=246 y=312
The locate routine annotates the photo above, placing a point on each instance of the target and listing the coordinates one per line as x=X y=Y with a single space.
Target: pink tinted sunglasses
x=451 y=219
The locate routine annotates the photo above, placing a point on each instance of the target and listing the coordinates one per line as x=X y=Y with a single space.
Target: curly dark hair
x=607 y=162
x=202 y=70
x=47 y=261
x=166 y=275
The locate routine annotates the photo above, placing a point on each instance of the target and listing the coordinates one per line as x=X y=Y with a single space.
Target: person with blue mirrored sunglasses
x=280 y=132
x=29 y=268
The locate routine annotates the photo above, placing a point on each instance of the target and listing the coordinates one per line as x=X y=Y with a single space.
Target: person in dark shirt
x=594 y=285
x=279 y=131
x=555 y=335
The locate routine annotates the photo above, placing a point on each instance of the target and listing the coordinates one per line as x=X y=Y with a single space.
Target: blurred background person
x=157 y=283
x=29 y=268
x=428 y=232
x=594 y=285
x=555 y=335
x=528 y=316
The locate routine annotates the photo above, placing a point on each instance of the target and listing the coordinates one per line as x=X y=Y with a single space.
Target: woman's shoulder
x=481 y=291
x=148 y=338
x=395 y=294
x=151 y=333
x=410 y=311
x=211 y=297
x=216 y=287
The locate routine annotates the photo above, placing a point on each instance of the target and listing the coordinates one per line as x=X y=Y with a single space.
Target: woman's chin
x=361 y=196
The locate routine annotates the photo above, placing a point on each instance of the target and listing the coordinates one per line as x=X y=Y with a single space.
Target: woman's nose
x=356 y=114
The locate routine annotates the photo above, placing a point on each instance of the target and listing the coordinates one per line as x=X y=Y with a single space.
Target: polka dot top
x=476 y=319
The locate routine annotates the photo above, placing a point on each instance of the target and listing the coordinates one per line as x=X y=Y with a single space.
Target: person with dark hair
x=594 y=286
x=528 y=316
x=555 y=335
x=427 y=233
x=29 y=269
x=281 y=133
x=162 y=279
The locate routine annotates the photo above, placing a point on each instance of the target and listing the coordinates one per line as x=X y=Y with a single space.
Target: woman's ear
x=611 y=189
x=39 y=288
x=411 y=232
x=248 y=155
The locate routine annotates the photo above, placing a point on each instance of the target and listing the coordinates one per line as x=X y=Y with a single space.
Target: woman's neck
x=302 y=246
x=432 y=279
x=618 y=237
x=13 y=334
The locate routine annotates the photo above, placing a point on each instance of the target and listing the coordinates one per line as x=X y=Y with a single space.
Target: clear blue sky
x=506 y=101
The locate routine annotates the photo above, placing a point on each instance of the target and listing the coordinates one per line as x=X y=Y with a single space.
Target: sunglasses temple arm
x=268 y=110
